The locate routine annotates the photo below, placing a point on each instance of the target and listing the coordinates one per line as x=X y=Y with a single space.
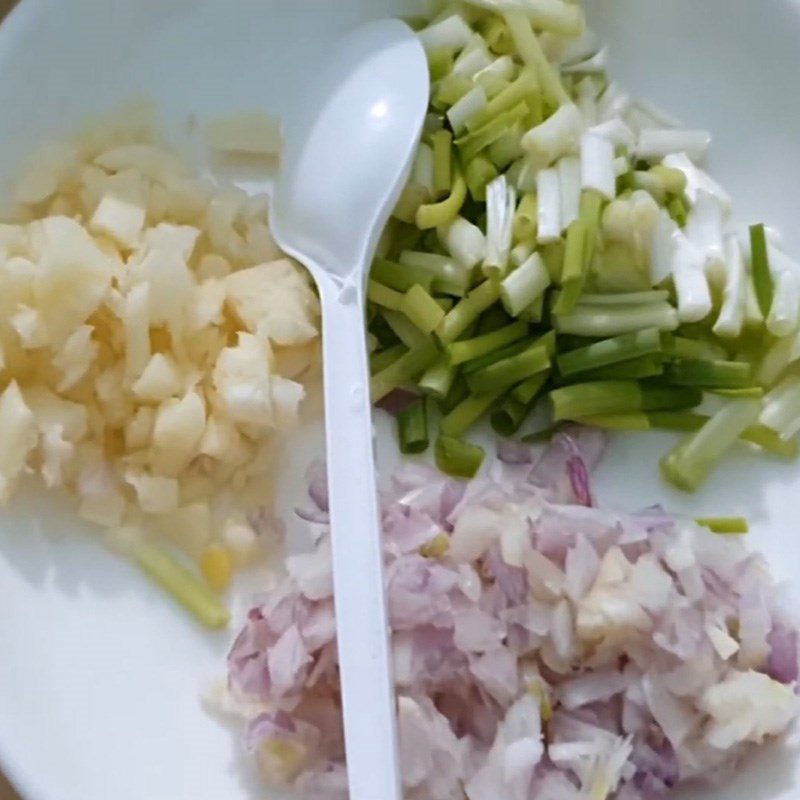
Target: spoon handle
x=368 y=696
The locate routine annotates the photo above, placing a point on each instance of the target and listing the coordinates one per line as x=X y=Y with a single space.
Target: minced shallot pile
x=543 y=647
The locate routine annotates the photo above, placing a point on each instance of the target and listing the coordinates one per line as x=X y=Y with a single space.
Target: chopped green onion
x=524 y=285
x=400 y=277
x=600 y=398
x=405 y=330
x=440 y=63
x=438 y=379
x=756 y=392
x=469 y=349
x=525 y=219
x=596 y=321
x=762 y=276
x=725 y=525
x=508 y=418
x=673 y=180
x=448 y=277
x=634 y=369
x=405 y=369
x=516 y=92
x=464 y=415
x=468 y=310
x=710 y=374
x=459 y=392
x=496 y=355
x=457 y=458
x=382 y=359
x=471 y=144
x=450 y=90
x=625 y=298
x=509 y=371
x=182 y=584
x=445 y=211
x=527 y=391
x=480 y=173
x=689 y=464
x=678 y=211
x=384 y=296
x=573 y=273
x=611 y=351
x=442 y=163
x=421 y=309
x=412 y=428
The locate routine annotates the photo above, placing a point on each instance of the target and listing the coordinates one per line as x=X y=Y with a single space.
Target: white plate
x=99 y=677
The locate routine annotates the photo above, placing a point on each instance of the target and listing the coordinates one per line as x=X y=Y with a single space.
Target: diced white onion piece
x=555 y=136
x=734 y=294
x=501 y=203
x=657 y=143
x=616 y=131
x=524 y=285
x=691 y=285
x=704 y=229
x=597 y=165
x=467 y=107
x=569 y=181
x=697 y=179
x=464 y=241
x=451 y=33
x=549 y=206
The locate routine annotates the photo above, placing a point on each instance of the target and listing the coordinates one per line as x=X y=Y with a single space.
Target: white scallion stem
x=657 y=143
x=555 y=136
x=697 y=179
x=734 y=294
x=524 y=285
x=569 y=182
x=691 y=285
x=785 y=311
x=464 y=241
x=473 y=58
x=597 y=165
x=614 y=102
x=549 y=206
x=704 y=229
x=422 y=172
x=501 y=204
x=616 y=131
x=472 y=103
x=451 y=33
x=782 y=408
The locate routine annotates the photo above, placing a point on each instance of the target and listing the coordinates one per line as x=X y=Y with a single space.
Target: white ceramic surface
x=99 y=677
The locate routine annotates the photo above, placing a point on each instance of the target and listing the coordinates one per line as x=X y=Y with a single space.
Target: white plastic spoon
x=348 y=150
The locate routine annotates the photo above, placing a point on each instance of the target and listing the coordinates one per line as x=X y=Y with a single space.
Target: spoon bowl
x=349 y=148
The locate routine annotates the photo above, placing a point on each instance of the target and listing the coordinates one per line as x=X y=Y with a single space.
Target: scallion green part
x=480 y=172
x=510 y=371
x=412 y=428
x=421 y=309
x=710 y=374
x=400 y=277
x=383 y=296
x=186 y=587
x=725 y=525
x=442 y=163
x=470 y=349
x=471 y=409
x=437 y=380
x=458 y=458
x=468 y=310
x=409 y=366
x=762 y=275
x=441 y=213
x=611 y=351
x=383 y=358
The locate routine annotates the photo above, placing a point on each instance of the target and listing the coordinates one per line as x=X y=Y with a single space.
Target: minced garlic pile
x=153 y=342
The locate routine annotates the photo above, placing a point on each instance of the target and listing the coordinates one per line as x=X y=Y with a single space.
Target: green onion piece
x=508 y=148
x=413 y=196
x=611 y=351
x=182 y=584
x=438 y=379
x=689 y=464
x=421 y=309
x=678 y=211
x=710 y=374
x=450 y=90
x=530 y=50
x=625 y=298
x=457 y=458
x=496 y=34
x=525 y=286
x=725 y=525
x=448 y=277
x=379 y=361
x=770 y=441
x=492 y=320
x=472 y=408
x=459 y=392
x=673 y=180
x=497 y=355
x=526 y=218
x=591 y=210
x=600 y=398
x=516 y=92
x=400 y=277
x=509 y=371
x=405 y=330
x=508 y=418
x=756 y=392
x=694 y=349
x=441 y=213
x=601 y=322
x=384 y=296
x=469 y=349
x=632 y=370
x=442 y=163
x=468 y=310
x=440 y=63
x=471 y=144
x=762 y=276
x=529 y=390
x=480 y=173
x=650 y=182
x=573 y=272
x=404 y=370
x=412 y=428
